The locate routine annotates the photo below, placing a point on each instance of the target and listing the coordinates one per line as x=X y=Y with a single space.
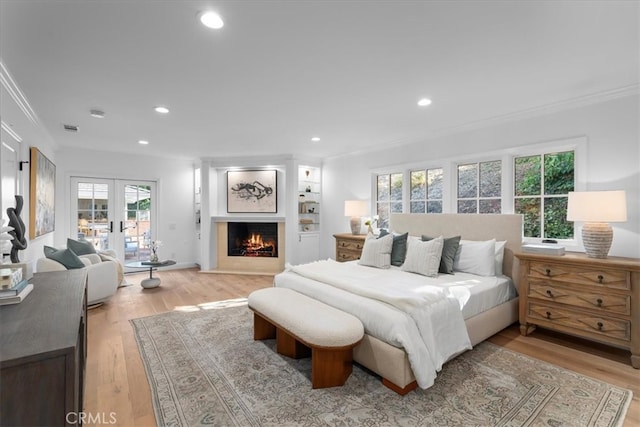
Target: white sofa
x=102 y=276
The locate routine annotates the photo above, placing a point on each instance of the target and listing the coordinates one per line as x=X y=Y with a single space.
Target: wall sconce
x=597 y=209
x=355 y=209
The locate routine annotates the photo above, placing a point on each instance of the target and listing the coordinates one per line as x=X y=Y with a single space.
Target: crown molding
x=529 y=113
x=16 y=94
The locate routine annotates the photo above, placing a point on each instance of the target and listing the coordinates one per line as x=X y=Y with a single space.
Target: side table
x=151 y=282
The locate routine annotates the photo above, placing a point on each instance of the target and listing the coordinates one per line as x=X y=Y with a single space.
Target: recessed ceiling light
x=315 y=139
x=143 y=142
x=211 y=19
x=161 y=110
x=424 y=102
x=97 y=114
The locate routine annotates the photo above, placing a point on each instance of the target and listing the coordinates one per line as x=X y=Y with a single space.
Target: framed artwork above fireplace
x=250 y=191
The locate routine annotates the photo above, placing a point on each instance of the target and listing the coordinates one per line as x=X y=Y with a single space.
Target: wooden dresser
x=43 y=348
x=349 y=246
x=596 y=299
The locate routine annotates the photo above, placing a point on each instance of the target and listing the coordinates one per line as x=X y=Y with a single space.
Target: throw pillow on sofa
x=81 y=247
x=66 y=257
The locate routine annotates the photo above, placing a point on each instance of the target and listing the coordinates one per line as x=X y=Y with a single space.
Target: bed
x=393 y=343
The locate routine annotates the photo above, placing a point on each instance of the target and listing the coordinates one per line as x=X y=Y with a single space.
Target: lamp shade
x=355 y=208
x=597 y=206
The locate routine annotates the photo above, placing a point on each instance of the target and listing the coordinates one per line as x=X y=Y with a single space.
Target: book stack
x=13 y=288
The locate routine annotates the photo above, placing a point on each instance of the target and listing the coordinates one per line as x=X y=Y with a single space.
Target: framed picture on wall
x=251 y=191
x=41 y=194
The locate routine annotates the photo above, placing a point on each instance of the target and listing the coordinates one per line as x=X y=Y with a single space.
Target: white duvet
x=400 y=308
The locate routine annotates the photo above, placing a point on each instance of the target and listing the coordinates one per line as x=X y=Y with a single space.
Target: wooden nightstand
x=596 y=299
x=349 y=246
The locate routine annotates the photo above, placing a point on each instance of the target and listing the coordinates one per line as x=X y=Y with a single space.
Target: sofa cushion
x=81 y=247
x=66 y=257
x=109 y=258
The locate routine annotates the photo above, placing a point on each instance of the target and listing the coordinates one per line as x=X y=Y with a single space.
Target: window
x=480 y=187
x=541 y=184
x=426 y=191
x=389 y=197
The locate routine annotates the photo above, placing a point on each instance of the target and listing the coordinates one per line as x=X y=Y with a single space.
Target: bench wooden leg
x=289 y=346
x=262 y=328
x=330 y=368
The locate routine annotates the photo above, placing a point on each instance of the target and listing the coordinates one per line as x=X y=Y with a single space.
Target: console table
x=43 y=347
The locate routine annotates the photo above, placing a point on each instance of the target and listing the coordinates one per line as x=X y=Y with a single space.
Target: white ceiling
x=280 y=72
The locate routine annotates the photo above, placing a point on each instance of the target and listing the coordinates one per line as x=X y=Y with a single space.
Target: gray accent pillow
x=399 y=249
x=65 y=257
x=81 y=247
x=449 y=251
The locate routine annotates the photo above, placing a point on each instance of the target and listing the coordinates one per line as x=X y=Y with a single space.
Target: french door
x=115 y=214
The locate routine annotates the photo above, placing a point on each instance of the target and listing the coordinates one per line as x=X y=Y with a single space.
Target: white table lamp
x=597 y=209
x=355 y=209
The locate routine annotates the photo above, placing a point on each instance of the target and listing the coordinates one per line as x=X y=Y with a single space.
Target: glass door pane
x=137 y=222
x=93 y=222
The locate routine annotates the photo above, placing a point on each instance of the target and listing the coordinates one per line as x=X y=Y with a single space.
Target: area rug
x=204 y=368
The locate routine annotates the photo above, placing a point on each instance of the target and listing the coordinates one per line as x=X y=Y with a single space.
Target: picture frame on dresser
x=252 y=191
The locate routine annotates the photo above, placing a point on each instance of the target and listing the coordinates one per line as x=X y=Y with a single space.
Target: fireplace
x=252 y=239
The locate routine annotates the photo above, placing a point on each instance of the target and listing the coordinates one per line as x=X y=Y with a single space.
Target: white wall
x=613 y=161
x=22 y=120
x=175 y=177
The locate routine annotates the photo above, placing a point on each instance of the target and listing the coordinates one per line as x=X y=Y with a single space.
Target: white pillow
x=499 y=256
x=476 y=257
x=377 y=252
x=423 y=257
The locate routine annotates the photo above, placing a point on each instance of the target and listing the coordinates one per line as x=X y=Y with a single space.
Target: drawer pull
x=547 y=272
x=600 y=325
x=599 y=301
x=548 y=315
x=359 y=246
x=549 y=293
x=600 y=278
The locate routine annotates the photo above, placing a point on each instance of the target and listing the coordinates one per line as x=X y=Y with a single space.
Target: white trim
x=18 y=97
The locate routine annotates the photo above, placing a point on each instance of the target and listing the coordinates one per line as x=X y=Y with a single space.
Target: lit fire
x=256 y=246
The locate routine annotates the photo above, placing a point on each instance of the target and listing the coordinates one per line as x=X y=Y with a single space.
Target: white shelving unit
x=309 y=192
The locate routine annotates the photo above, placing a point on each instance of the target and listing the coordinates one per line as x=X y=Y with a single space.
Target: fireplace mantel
x=247 y=218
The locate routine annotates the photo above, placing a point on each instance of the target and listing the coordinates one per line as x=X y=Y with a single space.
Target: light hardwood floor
x=116 y=382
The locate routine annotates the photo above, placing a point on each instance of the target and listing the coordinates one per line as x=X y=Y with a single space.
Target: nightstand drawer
x=347 y=256
x=614 y=279
x=349 y=245
x=580 y=322
x=611 y=303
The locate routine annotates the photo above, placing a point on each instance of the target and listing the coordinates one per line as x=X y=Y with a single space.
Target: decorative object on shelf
x=252 y=191
x=597 y=209
x=306 y=173
x=5 y=240
x=369 y=223
x=155 y=244
x=41 y=195
x=19 y=240
x=355 y=209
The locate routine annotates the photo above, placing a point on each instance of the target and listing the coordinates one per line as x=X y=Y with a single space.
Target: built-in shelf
x=308 y=199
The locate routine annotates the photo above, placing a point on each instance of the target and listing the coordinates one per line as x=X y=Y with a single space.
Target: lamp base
x=597 y=238
x=355 y=225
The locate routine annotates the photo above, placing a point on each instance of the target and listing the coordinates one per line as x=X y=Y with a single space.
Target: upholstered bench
x=303 y=326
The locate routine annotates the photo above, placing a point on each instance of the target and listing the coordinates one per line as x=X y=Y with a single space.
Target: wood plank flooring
x=116 y=382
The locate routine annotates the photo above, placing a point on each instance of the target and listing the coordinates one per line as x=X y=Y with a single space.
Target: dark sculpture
x=19 y=241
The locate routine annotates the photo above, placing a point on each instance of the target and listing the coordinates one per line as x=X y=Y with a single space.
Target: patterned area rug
x=205 y=369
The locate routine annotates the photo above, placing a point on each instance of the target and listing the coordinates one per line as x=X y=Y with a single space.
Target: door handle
x=122 y=227
x=110 y=226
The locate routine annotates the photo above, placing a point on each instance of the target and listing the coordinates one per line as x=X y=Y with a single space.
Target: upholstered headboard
x=470 y=227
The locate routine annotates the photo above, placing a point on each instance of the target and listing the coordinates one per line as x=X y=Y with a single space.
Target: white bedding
x=420 y=314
